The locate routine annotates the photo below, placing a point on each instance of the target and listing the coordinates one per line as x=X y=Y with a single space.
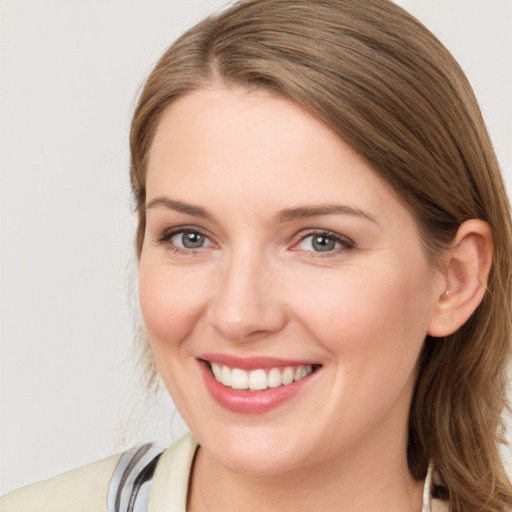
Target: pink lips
x=245 y=401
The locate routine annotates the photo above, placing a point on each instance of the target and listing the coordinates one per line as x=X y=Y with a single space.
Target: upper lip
x=253 y=362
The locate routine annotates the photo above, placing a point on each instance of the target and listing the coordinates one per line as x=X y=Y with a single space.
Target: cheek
x=171 y=301
x=367 y=314
x=373 y=325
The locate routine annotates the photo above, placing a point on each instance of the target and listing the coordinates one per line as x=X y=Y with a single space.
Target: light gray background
x=69 y=75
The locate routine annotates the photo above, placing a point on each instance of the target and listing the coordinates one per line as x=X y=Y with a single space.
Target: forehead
x=256 y=148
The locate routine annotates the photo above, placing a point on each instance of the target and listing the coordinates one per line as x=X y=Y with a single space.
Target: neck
x=363 y=480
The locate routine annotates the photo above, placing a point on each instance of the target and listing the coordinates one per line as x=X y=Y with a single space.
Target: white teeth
x=287 y=376
x=258 y=380
x=239 y=379
x=226 y=376
x=217 y=371
x=274 y=378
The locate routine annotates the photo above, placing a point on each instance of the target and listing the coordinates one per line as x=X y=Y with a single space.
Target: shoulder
x=433 y=492
x=80 y=490
x=439 y=506
x=140 y=475
x=172 y=475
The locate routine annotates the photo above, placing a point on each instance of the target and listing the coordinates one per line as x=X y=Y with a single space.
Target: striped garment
x=131 y=482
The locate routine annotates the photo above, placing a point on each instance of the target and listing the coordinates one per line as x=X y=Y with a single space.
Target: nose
x=247 y=304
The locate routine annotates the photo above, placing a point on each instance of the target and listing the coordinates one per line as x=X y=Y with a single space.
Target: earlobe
x=466 y=271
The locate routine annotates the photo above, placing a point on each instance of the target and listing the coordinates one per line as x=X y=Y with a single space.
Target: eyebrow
x=286 y=215
x=190 y=209
x=304 y=212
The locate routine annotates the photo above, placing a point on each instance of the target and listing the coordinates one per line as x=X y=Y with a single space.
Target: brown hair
x=390 y=89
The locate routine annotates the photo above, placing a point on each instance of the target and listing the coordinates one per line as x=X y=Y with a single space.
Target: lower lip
x=250 y=402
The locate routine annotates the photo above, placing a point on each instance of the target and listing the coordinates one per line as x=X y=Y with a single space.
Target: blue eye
x=189 y=240
x=324 y=242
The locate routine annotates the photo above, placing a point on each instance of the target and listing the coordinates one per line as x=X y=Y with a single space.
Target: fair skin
x=270 y=243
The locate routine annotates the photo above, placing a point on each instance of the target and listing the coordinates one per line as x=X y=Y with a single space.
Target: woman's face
x=277 y=259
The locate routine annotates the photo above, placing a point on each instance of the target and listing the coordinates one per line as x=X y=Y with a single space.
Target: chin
x=254 y=451
x=256 y=462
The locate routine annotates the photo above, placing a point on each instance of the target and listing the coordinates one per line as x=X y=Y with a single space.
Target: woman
x=324 y=271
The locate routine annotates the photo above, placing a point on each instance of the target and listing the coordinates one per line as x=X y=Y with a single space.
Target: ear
x=466 y=270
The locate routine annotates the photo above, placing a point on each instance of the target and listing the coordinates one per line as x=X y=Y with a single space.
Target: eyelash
x=166 y=236
x=344 y=242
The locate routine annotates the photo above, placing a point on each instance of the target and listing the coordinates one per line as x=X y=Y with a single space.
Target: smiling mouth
x=260 y=379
